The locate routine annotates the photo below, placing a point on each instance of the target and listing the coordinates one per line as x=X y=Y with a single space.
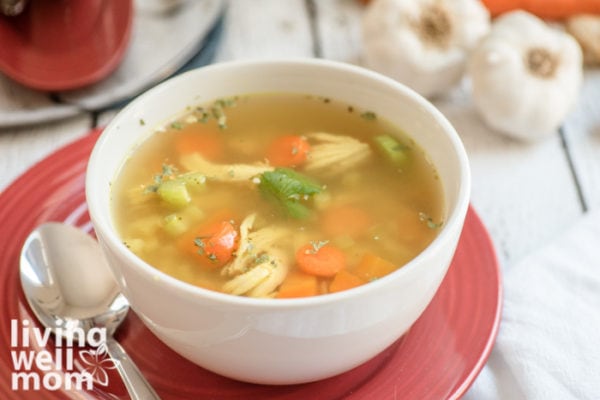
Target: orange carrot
x=344 y=280
x=208 y=143
x=288 y=151
x=298 y=284
x=345 y=219
x=552 y=9
x=320 y=259
x=372 y=267
x=212 y=245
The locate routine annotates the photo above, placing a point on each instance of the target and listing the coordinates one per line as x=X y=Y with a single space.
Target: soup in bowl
x=278 y=221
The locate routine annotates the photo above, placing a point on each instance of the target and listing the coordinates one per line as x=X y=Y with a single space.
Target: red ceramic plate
x=437 y=359
x=65 y=44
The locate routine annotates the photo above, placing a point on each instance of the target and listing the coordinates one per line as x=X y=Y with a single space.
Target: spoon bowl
x=70 y=288
x=67 y=282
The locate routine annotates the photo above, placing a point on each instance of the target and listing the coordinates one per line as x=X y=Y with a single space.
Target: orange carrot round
x=288 y=151
x=552 y=9
x=320 y=260
x=212 y=245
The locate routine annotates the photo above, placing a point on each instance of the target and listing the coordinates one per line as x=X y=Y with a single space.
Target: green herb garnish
x=166 y=173
x=263 y=258
x=200 y=244
x=288 y=188
x=424 y=217
x=317 y=245
x=369 y=116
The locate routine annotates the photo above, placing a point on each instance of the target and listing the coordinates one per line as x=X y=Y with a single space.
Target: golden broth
x=379 y=200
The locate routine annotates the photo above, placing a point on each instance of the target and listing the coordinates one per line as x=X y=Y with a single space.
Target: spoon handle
x=137 y=386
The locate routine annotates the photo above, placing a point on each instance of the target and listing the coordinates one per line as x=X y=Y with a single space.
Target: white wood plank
x=20 y=148
x=261 y=29
x=582 y=130
x=339 y=29
x=524 y=192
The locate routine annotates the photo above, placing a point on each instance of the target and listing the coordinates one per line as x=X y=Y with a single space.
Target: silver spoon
x=69 y=286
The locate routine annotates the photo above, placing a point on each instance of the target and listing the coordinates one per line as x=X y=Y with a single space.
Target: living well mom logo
x=69 y=364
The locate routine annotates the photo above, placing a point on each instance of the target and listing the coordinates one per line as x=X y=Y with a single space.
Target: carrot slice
x=212 y=245
x=288 y=151
x=325 y=260
x=298 y=284
x=554 y=9
x=344 y=280
x=194 y=140
x=372 y=267
x=346 y=220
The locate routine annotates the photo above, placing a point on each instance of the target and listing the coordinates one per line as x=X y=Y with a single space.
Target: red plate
x=437 y=359
x=65 y=44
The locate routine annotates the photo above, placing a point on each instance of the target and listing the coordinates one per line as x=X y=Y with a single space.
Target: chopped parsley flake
x=316 y=246
x=216 y=111
x=168 y=172
x=424 y=217
x=369 y=116
x=200 y=244
x=263 y=258
x=177 y=125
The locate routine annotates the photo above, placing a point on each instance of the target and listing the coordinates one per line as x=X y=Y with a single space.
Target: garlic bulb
x=585 y=29
x=525 y=76
x=423 y=43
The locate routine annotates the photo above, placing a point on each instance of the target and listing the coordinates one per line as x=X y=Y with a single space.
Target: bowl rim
x=453 y=223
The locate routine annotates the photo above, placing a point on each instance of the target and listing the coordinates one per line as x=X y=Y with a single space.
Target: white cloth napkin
x=548 y=345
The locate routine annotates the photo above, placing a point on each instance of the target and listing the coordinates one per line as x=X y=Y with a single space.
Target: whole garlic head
x=525 y=76
x=423 y=43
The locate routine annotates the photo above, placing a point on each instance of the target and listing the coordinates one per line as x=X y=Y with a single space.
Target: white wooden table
x=526 y=194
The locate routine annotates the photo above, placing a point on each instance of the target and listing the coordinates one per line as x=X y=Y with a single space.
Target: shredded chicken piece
x=335 y=153
x=222 y=172
x=261 y=280
x=258 y=267
x=252 y=245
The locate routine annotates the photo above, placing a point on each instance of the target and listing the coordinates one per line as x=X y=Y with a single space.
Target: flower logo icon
x=98 y=361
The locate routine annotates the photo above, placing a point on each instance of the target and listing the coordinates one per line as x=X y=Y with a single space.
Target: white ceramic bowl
x=285 y=340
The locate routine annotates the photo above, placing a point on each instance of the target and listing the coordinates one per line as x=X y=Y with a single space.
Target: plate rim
x=80 y=145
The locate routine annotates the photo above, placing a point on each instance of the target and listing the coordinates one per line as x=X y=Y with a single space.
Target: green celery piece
x=286 y=187
x=392 y=149
x=174 y=225
x=174 y=192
